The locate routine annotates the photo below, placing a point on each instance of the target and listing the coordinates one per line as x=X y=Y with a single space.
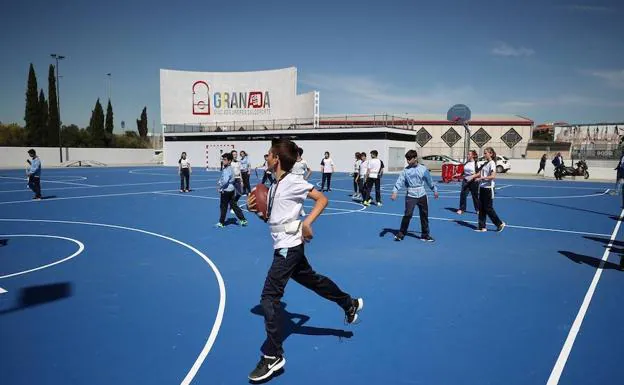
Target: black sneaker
x=351 y=315
x=427 y=238
x=399 y=236
x=266 y=367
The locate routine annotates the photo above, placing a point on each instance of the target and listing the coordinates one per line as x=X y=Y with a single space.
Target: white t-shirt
x=374 y=165
x=487 y=170
x=236 y=170
x=363 y=168
x=469 y=169
x=300 y=168
x=286 y=199
x=184 y=163
x=356 y=166
x=327 y=165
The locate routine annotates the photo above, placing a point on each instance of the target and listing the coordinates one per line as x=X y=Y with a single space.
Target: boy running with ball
x=284 y=203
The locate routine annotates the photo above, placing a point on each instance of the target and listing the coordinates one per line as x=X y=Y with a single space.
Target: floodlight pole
x=466 y=140
x=58 y=102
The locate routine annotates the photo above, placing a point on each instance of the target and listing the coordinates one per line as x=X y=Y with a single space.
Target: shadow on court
x=39 y=295
x=591 y=261
x=292 y=323
x=610 y=215
x=394 y=232
x=3 y=242
x=466 y=224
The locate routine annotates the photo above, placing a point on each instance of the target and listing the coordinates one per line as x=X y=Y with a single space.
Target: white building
x=206 y=114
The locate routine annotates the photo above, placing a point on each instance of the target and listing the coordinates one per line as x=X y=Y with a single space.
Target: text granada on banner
x=229 y=103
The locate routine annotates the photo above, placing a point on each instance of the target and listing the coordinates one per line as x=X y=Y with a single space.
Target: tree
x=109 y=118
x=109 y=125
x=42 y=126
x=142 y=124
x=31 y=113
x=54 y=122
x=96 y=126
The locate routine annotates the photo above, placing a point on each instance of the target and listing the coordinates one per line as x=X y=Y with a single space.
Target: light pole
x=58 y=102
x=109 y=85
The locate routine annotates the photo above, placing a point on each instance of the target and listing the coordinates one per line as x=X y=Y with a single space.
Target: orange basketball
x=261 y=192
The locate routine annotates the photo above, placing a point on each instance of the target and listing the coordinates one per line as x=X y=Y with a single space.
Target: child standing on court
x=34 y=174
x=327 y=169
x=413 y=178
x=486 y=192
x=184 y=170
x=285 y=200
x=227 y=191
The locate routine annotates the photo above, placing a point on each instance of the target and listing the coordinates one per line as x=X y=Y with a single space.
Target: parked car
x=435 y=162
x=502 y=163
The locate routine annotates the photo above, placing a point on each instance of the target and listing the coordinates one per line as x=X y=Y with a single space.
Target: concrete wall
x=342 y=152
x=598 y=170
x=12 y=157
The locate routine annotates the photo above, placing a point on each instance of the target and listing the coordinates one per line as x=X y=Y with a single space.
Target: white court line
x=244 y=204
x=80 y=249
x=2 y=291
x=506 y=225
x=219 y=318
x=50 y=181
x=111 y=185
x=93 y=196
x=555 y=375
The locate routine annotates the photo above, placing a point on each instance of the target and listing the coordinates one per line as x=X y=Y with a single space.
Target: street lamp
x=58 y=101
x=109 y=85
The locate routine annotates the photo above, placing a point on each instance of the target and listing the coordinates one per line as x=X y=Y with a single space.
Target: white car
x=502 y=163
x=435 y=162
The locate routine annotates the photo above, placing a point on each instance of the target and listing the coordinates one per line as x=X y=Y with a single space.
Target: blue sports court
x=116 y=277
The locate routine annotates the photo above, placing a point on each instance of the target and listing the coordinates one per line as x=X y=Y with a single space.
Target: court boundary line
x=222 y=295
x=557 y=370
x=48 y=181
x=81 y=248
x=506 y=224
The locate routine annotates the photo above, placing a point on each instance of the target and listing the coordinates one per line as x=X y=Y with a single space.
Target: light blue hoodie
x=35 y=167
x=414 y=179
x=226 y=182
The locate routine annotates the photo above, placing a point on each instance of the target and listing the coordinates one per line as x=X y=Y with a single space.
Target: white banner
x=189 y=97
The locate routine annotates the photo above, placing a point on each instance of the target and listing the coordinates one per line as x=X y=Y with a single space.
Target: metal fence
x=597 y=151
x=457 y=151
x=334 y=121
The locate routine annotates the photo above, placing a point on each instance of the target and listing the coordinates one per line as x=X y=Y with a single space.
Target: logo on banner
x=237 y=102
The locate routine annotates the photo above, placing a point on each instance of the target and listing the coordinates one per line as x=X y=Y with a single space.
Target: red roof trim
x=425 y=122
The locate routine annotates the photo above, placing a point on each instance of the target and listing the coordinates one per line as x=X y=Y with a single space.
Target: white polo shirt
x=363 y=169
x=184 y=163
x=300 y=168
x=236 y=170
x=374 y=165
x=327 y=165
x=487 y=170
x=286 y=199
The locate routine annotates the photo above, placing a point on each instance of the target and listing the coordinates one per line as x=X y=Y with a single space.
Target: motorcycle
x=579 y=170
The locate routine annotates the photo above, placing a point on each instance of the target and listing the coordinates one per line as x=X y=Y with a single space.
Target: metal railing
x=334 y=121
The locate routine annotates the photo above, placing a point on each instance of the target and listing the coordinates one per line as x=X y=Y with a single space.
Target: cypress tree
x=96 y=126
x=32 y=111
x=109 y=118
x=142 y=124
x=54 y=123
x=42 y=127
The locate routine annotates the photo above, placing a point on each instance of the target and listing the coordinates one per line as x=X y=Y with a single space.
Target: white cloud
x=563 y=100
x=504 y=49
x=613 y=78
x=366 y=93
x=588 y=8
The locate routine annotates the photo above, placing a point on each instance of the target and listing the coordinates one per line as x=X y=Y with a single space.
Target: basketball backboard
x=459 y=113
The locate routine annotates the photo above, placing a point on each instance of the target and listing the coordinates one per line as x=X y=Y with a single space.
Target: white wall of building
x=15 y=157
x=192 y=97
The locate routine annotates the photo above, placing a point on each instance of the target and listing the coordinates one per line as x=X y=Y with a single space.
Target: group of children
x=366 y=174
x=288 y=174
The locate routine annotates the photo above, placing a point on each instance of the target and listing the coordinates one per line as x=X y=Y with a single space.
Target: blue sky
x=547 y=60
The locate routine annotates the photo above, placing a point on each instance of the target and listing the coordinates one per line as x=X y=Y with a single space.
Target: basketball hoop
x=461 y=114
